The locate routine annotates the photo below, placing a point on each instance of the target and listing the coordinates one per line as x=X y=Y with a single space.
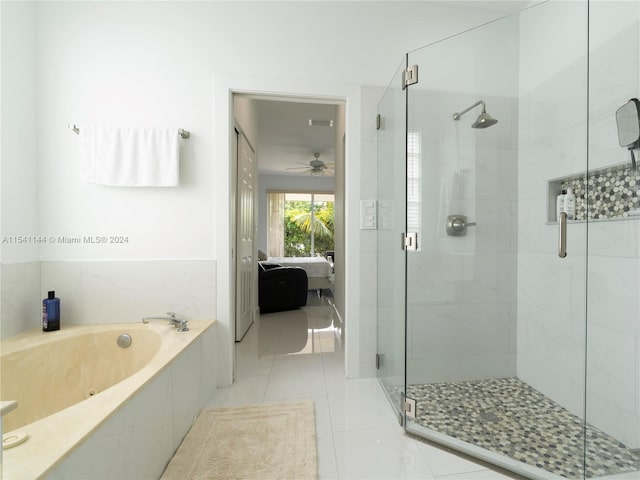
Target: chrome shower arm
x=456 y=116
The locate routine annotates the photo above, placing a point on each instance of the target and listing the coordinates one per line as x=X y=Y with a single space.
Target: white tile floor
x=298 y=355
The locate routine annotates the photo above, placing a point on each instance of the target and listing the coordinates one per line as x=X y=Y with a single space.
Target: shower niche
x=609 y=193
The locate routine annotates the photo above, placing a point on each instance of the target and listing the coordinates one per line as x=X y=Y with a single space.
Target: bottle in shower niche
x=570 y=204
x=560 y=203
x=51 y=312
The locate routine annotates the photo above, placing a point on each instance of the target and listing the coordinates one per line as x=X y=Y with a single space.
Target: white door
x=246 y=267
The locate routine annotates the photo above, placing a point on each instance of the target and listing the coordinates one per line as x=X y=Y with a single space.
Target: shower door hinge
x=410 y=241
x=378 y=361
x=408 y=406
x=378 y=122
x=410 y=76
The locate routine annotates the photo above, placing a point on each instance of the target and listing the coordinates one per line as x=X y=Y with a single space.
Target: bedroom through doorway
x=300 y=152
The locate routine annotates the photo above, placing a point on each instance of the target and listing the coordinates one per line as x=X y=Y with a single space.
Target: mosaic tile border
x=511 y=418
x=612 y=193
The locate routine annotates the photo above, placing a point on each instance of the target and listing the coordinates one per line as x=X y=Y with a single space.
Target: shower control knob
x=457 y=225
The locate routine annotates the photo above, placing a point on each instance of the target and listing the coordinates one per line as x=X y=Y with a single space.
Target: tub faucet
x=179 y=324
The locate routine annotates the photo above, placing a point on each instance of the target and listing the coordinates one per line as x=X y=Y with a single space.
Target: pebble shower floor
x=511 y=418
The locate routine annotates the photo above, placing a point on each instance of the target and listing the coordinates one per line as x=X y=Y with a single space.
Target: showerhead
x=484 y=120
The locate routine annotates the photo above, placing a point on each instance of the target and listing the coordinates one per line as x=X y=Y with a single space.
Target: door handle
x=562 y=239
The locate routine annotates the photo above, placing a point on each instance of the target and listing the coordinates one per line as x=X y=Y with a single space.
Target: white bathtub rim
x=44 y=450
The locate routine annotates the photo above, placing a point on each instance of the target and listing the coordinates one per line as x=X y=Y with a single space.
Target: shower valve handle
x=457 y=225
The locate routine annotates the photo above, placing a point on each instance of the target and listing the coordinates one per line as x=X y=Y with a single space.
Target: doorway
x=349 y=97
x=300 y=147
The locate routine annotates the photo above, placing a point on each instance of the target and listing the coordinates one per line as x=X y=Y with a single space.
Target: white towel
x=130 y=157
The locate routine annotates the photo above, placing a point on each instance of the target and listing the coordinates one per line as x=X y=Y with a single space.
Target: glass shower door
x=390 y=358
x=495 y=312
x=613 y=305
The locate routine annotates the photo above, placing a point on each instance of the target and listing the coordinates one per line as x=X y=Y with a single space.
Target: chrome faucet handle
x=181 y=326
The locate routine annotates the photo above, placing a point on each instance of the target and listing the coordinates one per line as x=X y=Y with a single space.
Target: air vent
x=320 y=123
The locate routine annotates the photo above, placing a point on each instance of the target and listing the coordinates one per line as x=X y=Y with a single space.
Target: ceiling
x=286 y=140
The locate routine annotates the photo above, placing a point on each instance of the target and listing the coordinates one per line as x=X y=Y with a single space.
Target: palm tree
x=320 y=228
x=318 y=224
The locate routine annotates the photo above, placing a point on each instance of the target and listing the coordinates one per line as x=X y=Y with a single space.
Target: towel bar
x=181 y=131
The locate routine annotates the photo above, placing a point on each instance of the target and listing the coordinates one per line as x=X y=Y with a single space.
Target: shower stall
x=508 y=321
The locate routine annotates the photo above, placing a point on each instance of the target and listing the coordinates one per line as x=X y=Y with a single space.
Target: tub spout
x=179 y=324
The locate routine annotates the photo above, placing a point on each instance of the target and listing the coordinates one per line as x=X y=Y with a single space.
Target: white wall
x=367 y=332
x=339 y=213
x=19 y=230
x=556 y=296
x=121 y=64
x=246 y=113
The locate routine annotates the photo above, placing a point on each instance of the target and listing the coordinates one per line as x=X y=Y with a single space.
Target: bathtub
x=92 y=409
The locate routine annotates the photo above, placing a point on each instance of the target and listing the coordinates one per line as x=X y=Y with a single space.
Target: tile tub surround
x=511 y=418
x=105 y=292
x=134 y=426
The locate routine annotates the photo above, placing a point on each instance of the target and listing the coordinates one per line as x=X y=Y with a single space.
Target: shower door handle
x=562 y=239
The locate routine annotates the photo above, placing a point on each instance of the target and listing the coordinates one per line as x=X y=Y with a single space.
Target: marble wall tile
x=113 y=292
x=368 y=283
x=209 y=378
x=438 y=278
x=149 y=428
x=21 y=298
x=613 y=298
x=609 y=368
x=606 y=416
x=489 y=278
x=458 y=342
x=612 y=382
x=89 y=460
x=185 y=375
x=368 y=335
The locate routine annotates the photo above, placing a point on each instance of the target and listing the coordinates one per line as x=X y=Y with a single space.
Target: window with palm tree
x=308 y=225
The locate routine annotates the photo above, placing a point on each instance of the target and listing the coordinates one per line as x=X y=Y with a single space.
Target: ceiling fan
x=315 y=167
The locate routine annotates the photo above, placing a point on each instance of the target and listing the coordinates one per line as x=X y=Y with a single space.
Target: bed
x=319 y=270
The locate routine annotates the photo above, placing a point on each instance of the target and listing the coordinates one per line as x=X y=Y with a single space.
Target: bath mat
x=273 y=441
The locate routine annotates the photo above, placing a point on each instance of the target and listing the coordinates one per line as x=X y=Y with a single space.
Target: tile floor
x=512 y=418
x=299 y=355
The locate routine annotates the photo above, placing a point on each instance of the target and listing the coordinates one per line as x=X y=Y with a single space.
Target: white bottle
x=570 y=204
x=560 y=203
